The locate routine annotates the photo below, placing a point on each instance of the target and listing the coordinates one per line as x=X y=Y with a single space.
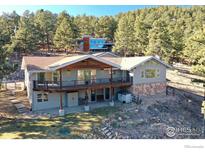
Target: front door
x=107 y=93
x=72 y=99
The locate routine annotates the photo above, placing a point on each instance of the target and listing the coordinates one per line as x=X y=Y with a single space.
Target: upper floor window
x=86 y=74
x=56 y=76
x=150 y=73
x=142 y=74
x=41 y=76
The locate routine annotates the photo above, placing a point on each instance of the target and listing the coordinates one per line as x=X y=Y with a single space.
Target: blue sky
x=96 y=10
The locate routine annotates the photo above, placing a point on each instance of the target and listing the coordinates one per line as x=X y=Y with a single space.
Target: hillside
x=176 y=34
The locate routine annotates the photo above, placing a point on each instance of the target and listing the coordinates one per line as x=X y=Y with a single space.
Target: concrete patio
x=74 y=109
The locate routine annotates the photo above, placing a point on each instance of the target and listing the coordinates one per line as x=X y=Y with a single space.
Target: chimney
x=86 y=43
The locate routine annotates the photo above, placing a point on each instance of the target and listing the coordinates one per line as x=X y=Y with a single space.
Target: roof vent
x=157 y=56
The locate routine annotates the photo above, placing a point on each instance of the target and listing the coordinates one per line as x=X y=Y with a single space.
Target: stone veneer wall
x=148 y=89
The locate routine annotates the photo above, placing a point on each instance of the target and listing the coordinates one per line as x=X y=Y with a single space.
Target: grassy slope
x=70 y=126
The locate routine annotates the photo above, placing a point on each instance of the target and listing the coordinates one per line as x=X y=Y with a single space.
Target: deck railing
x=46 y=85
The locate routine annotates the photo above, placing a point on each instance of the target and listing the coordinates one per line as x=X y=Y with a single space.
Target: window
x=150 y=73
x=142 y=74
x=86 y=74
x=80 y=75
x=41 y=76
x=55 y=76
x=39 y=99
x=42 y=97
x=45 y=97
x=157 y=72
x=113 y=72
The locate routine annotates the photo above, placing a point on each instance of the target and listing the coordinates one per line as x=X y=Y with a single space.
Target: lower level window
x=42 y=97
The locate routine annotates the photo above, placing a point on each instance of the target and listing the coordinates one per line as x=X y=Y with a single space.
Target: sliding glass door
x=86 y=76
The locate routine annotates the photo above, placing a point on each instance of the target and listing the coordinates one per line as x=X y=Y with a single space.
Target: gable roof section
x=74 y=59
x=129 y=63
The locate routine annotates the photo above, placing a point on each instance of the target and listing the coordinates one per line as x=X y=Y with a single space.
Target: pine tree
x=86 y=24
x=159 y=41
x=64 y=36
x=5 y=35
x=105 y=27
x=141 y=37
x=8 y=23
x=124 y=36
x=5 y=66
x=61 y=16
x=25 y=37
x=12 y=20
x=194 y=51
x=176 y=37
x=45 y=24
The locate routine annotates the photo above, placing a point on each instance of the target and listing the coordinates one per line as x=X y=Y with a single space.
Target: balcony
x=80 y=84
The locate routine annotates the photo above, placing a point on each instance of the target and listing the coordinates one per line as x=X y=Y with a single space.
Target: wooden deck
x=74 y=85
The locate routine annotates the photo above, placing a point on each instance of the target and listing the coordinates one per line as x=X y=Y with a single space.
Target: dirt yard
x=152 y=118
x=21 y=126
x=7 y=106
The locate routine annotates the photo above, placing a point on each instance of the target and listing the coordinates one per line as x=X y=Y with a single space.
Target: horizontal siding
x=53 y=101
x=137 y=79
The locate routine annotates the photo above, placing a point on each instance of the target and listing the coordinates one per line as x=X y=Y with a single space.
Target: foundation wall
x=147 y=89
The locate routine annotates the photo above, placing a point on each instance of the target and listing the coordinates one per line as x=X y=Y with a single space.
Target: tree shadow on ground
x=74 y=125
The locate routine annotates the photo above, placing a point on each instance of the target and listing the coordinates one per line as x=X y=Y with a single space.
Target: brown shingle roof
x=39 y=63
x=44 y=63
x=115 y=60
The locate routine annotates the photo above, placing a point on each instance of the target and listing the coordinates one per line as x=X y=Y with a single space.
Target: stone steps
x=21 y=108
x=108 y=133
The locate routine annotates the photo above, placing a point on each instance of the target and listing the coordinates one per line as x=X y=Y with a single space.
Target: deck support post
x=60 y=79
x=111 y=88
x=61 y=111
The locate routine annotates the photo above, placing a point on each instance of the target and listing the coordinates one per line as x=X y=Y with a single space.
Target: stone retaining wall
x=148 y=89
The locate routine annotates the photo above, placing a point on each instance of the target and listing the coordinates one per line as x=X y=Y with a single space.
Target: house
x=67 y=81
x=89 y=43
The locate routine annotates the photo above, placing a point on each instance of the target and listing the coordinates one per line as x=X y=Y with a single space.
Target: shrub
x=198 y=69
